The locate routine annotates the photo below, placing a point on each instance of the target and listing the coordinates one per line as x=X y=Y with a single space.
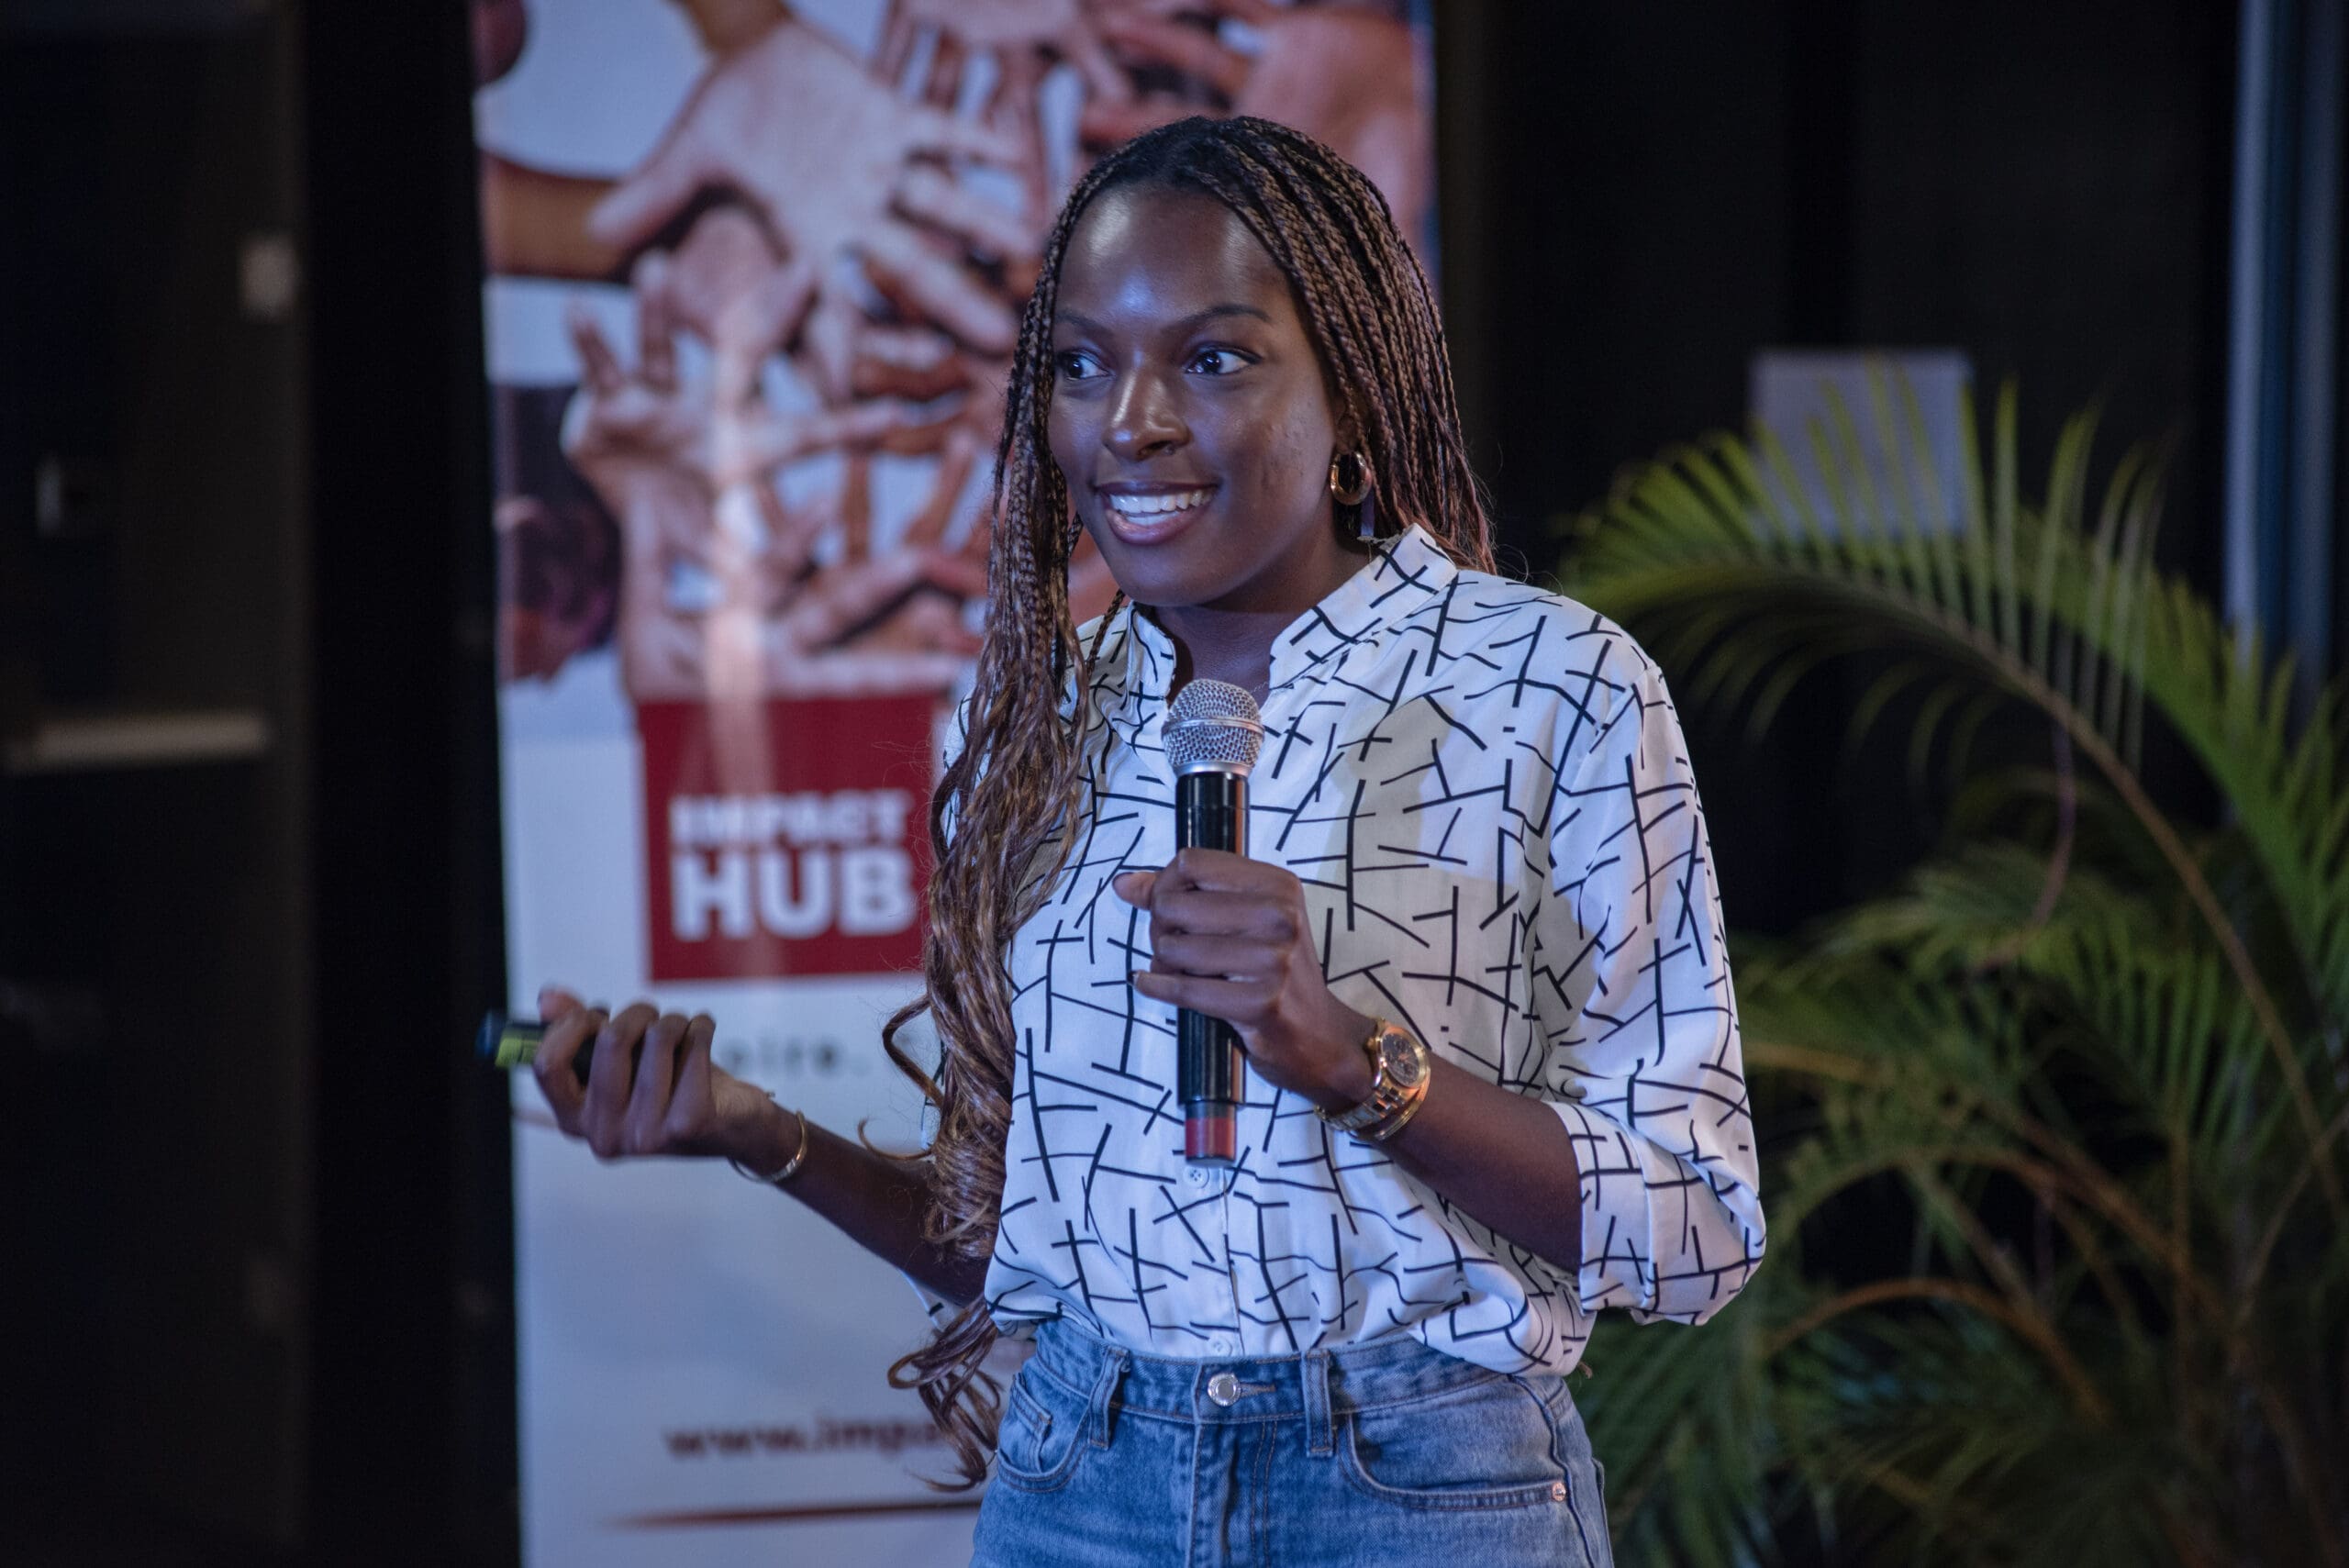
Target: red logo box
x=785 y=838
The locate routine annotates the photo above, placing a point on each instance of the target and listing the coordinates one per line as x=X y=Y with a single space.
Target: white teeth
x=1157 y=506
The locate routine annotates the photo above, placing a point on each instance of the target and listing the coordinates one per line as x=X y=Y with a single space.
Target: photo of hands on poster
x=754 y=272
x=848 y=200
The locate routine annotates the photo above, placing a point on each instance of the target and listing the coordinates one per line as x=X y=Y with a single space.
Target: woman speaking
x=1473 y=957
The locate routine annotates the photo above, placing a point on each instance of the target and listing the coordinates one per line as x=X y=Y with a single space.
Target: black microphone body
x=1210 y=813
x=1213 y=736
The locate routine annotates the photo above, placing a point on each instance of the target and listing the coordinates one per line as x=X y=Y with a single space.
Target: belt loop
x=1105 y=1393
x=1319 y=1439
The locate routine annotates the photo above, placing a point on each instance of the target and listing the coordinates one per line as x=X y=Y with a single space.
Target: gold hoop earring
x=1349 y=478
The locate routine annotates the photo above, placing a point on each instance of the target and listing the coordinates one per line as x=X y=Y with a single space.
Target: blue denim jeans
x=1376 y=1453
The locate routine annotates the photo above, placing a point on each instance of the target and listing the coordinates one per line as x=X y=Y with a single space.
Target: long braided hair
x=999 y=820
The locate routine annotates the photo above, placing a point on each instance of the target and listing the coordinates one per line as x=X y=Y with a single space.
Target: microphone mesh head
x=1213 y=724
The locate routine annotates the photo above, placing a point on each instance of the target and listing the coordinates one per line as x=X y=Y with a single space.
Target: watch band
x=1414 y=1098
x=1390 y=1103
x=1382 y=1098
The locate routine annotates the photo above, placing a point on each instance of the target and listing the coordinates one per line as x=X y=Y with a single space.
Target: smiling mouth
x=1138 y=515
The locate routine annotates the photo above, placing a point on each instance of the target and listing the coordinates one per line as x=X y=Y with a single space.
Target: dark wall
x=253 y=1254
x=1632 y=243
x=154 y=972
x=1639 y=197
x=414 y=1453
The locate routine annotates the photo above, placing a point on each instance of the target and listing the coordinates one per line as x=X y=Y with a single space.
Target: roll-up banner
x=754 y=272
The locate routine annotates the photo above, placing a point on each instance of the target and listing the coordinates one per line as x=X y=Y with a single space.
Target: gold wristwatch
x=1399 y=1071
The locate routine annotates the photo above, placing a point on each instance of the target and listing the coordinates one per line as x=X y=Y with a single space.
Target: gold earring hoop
x=1349 y=478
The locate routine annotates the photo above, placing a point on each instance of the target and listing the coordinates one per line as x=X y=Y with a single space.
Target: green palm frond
x=2080 y=1078
x=2154 y=1006
x=1718 y=555
x=1689 y=1447
x=1938 y=1085
x=1925 y=1419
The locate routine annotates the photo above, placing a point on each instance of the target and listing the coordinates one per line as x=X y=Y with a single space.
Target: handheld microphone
x=1213 y=736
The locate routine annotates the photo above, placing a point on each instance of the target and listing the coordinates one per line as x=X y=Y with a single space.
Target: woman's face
x=1191 y=414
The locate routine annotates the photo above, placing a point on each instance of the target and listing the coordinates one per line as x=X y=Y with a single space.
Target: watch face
x=1399 y=1053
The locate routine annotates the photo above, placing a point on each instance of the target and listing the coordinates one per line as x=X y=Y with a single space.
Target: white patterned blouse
x=1484 y=790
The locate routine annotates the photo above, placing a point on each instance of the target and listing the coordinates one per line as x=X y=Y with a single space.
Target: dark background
x=254 y=1246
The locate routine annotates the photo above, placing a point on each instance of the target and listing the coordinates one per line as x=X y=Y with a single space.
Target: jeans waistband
x=1314 y=1385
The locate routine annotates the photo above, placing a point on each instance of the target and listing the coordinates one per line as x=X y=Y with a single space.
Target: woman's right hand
x=667 y=1098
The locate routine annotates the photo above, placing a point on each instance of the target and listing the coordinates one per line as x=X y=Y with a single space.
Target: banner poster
x=753 y=277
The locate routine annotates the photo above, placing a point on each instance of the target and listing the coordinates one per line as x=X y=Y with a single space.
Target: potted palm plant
x=2091 y=1054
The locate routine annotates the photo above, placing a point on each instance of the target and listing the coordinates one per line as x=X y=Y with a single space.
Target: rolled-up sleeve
x=1632 y=992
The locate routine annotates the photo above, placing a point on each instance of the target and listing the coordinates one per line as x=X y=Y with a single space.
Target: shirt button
x=1220 y=1345
x=1198 y=1177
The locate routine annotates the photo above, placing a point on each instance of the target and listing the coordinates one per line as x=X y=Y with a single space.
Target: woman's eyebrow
x=1201 y=318
x=1080 y=322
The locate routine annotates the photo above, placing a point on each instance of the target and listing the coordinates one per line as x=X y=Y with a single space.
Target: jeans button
x=1223 y=1388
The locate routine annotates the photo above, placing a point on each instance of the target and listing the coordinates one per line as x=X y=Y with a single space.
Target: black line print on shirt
x=1484 y=790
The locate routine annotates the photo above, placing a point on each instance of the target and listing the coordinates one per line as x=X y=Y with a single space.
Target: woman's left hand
x=1230 y=937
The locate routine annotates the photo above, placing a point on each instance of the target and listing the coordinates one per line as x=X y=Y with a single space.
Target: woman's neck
x=1236 y=648
x=1236 y=645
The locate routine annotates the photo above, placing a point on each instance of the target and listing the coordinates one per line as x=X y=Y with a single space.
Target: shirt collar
x=1403 y=573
